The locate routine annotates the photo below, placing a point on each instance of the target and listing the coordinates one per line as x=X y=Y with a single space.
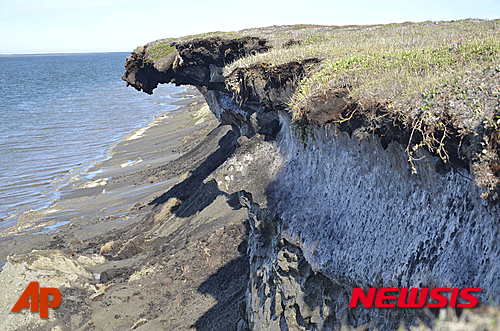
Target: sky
x=39 y=26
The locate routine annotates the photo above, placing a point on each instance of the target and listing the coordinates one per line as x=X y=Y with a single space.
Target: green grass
x=485 y=318
x=397 y=74
x=160 y=50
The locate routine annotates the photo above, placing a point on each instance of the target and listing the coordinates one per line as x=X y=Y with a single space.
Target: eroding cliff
x=331 y=207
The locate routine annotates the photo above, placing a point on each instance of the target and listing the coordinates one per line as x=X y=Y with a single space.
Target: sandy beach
x=112 y=193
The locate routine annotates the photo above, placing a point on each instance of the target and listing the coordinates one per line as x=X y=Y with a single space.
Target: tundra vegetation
x=438 y=81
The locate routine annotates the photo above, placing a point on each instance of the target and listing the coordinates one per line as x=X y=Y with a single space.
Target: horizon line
x=60 y=53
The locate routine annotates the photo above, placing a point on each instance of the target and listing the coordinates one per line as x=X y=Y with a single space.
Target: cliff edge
x=367 y=157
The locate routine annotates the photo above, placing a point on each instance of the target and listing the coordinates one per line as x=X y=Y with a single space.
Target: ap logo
x=35 y=291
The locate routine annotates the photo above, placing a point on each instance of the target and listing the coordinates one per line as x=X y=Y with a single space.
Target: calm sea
x=59 y=114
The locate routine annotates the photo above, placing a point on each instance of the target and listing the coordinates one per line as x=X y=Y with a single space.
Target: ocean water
x=59 y=114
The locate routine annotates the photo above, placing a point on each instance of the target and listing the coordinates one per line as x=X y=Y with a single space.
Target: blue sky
x=28 y=26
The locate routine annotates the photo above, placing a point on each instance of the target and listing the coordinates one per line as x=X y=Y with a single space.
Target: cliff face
x=330 y=210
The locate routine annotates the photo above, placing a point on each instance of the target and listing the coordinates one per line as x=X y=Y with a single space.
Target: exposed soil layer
x=249 y=97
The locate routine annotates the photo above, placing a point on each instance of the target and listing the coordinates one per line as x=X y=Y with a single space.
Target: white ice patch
x=129 y=163
x=95 y=183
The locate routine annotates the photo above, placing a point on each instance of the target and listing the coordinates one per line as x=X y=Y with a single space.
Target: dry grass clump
x=402 y=74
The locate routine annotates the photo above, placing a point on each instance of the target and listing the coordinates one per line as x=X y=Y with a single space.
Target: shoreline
x=102 y=190
x=83 y=171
